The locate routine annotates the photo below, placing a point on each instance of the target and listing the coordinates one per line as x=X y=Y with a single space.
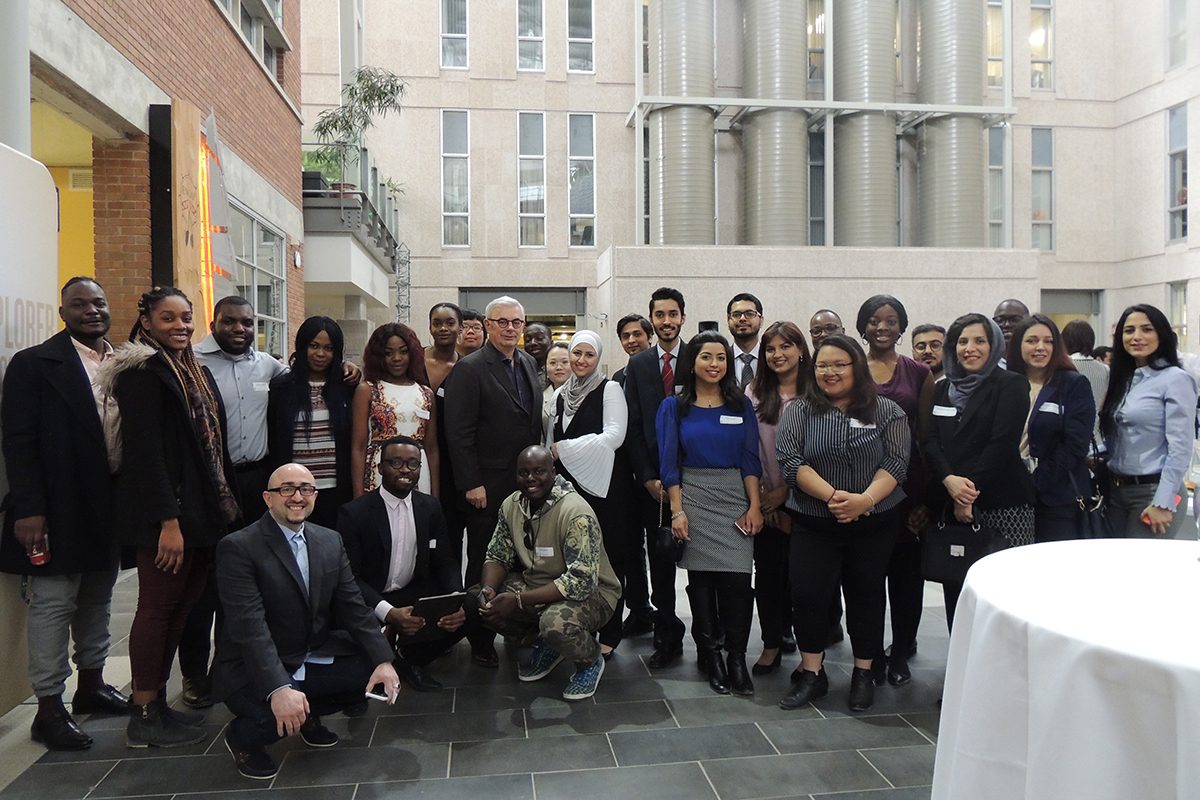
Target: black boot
x=811 y=686
x=736 y=605
x=704 y=605
x=862 y=689
x=151 y=726
x=739 y=676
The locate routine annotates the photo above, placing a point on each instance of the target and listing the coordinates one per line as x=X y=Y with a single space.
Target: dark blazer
x=367 y=536
x=282 y=410
x=164 y=473
x=982 y=442
x=643 y=394
x=486 y=427
x=272 y=620
x=56 y=461
x=1060 y=441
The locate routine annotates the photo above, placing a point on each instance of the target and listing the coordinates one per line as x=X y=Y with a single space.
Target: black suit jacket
x=1060 y=435
x=486 y=427
x=981 y=443
x=367 y=536
x=643 y=394
x=272 y=620
x=56 y=461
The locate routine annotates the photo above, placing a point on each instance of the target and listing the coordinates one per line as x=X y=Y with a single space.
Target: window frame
x=572 y=215
x=816 y=71
x=466 y=156
x=1175 y=33
x=1047 y=7
x=997 y=60
x=1177 y=310
x=996 y=225
x=257 y=226
x=1034 y=169
x=539 y=40
x=465 y=36
x=521 y=157
x=815 y=222
x=590 y=41
x=1174 y=154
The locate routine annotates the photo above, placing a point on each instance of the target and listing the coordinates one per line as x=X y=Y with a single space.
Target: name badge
x=728 y=419
x=1051 y=408
x=433 y=544
x=678 y=389
x=422 y=413
x=441 y=392
x=945 y=411
x=545 y=552
x=856 y=423
x=262 y=386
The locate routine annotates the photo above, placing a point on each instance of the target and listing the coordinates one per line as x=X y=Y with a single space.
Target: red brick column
x=121 y=178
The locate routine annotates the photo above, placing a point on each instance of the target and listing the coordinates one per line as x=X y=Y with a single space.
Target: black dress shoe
x=862 y=689
x=636 y=625
x=254 y=763
x=788 y=644
x=766 y=669
x=59 y=732
x=665 y=655
x=898 y=673
x=485 y=656
x=104 y=700
x=739 y=677
x=416 y=677
x=879 y=671
x=808 y=687
x=197 y=692
x=315 y=734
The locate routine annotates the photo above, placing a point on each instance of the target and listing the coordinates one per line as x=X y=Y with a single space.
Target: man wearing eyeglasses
x=493 y=412
x=547 y=576
x=298 y=640
x=399 y=551
x=824 y=323
x=744 y=317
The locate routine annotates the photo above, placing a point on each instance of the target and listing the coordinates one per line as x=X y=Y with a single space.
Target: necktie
x=519 y=385
x=747 y=372
x=668 y=375
x=300 y=551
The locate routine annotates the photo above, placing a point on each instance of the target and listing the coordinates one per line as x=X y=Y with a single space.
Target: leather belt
x=1134 y=480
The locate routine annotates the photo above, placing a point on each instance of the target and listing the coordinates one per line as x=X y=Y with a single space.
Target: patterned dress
x=396 y=410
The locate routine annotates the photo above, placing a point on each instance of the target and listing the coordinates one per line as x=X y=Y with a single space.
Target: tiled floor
x=660 y=736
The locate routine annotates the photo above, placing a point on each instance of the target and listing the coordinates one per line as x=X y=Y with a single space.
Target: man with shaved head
x=298 y=640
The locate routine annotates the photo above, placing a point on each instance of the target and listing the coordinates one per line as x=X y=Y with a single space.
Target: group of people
x=314 y=512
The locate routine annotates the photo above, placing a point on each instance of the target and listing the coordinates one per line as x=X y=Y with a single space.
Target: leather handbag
x=666 y=545
x=949 y=549
x=1091 y=521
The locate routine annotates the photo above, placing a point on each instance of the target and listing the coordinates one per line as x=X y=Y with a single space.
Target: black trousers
x=858 y=552
x=772 y=591
x=637 y=585
x=424 y=651
x=668 y=628
x=906 y=591
x=481 y=524
x=329 y=688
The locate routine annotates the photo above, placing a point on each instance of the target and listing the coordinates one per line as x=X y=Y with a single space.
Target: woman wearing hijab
x=586 y=430
x=972 y=439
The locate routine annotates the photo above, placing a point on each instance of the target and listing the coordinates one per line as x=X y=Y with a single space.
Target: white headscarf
x=576 y=389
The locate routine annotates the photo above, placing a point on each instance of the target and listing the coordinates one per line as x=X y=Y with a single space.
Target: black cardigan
x=282 y=410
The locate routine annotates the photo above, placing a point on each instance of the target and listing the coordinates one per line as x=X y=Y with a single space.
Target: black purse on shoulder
x=666 y=545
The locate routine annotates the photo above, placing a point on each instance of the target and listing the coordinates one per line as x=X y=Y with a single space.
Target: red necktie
x=668 y=376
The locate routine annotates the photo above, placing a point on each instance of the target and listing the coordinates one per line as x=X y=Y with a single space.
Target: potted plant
x=371 y=94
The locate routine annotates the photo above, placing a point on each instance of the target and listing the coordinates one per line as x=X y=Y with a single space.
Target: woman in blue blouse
x=709 y=465
x=1148 y=420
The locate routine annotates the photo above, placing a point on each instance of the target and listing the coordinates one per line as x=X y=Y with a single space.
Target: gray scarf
x=962 y=383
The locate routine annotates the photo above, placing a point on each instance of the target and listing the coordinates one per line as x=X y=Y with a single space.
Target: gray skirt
x=713 y=499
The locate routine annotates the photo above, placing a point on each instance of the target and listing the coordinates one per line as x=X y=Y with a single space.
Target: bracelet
x=520 y=605
x=676 y=515
x=831 y=496
x=870 y=497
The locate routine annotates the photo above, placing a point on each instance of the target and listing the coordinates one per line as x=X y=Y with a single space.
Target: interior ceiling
x=59 y=141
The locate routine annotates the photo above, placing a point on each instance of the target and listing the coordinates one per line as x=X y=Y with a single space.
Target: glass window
x=1176 y=33
x=1177 y=311
x=1177 y=167
x=247 y=25
x=995 y=43
x=581 y=173
x=454 y=34
x=646 y=185
x=996 y=186
x=580 y=36
x=531 y=179
x=1042 y=190
x=1041 y=44
x=260 y=277
x=816 y=40
x=530 y=35
x=456 y=179
x=816 y=188
x=645 y=37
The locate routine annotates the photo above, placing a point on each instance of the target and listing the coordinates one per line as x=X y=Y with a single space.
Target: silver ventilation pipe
x=775 y=141
x=681 y=137
x=864 y=70
x=951 y=166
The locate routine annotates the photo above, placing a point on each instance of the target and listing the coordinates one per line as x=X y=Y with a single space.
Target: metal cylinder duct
x=775 y=141
x=681 y=137
x=951 y=166
x=864 y=161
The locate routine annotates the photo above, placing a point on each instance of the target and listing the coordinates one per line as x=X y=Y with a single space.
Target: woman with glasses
x=308 y=416
x=394 y=399
x=972 y=440
x=1147 y=420
x=588 y=418
x=558 y=369
x=844 y=450
x=709 y=465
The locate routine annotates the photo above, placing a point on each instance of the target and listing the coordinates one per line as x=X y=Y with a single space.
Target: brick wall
x=121 y=176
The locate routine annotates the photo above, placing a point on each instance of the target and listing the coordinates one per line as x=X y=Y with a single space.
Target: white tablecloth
x=1074 y=672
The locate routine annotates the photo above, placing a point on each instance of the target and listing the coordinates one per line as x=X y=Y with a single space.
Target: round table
x=1074 y=672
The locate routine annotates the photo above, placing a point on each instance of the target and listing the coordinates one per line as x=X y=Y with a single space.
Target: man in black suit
x=58 y=521
x=281 y=662
x=396 y=540
x=493 y=412
x=647 y=379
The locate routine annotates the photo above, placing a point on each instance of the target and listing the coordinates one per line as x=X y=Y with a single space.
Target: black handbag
x=949 y=549
x=1091 y=521
x=666 y=545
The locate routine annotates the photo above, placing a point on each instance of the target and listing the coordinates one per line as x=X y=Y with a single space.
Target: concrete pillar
x=15 y=124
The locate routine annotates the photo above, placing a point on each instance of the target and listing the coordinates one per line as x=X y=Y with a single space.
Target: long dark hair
x=730 y=396
x=373 y=366
x=1120 y=374
x=335 y=393
x=766 y=382
x=1060 y=360
x=862 y=396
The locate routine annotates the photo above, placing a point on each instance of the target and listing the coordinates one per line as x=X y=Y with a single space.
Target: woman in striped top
x=845 y=451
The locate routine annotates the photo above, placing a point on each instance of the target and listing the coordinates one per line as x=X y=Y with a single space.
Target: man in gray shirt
x=1079 y=339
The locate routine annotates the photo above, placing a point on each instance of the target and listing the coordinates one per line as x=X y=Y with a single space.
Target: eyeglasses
x=840 y=366
x=289 y=490
x=412 y=464
x=528 y=535
x=744 y=315
x=477 y=327
x=508 y=323
x=932 y=347
x=826 y=329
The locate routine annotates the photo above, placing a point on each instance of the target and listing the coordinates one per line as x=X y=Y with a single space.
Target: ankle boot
x=151 y=726
x=809 y=687
x=862 y=689
x=708 y=654
x=193 y=719
x=54 y=727
x=718 y=678
x=739 y=676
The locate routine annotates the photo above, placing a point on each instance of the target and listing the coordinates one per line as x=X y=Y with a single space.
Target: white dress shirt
x=403 y=528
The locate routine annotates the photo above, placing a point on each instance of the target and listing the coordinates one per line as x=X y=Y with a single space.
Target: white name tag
x=945 y=411
x=727 y=419
x=262 y=386
x=422 y=413
x=433 y=544
x=855 y=423
x=441 y=392
x=1051 y=408
x=678 y=390
x=957 y=551
x=545 y=552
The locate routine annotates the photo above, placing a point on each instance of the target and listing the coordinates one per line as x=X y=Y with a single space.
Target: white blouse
x=589 y=458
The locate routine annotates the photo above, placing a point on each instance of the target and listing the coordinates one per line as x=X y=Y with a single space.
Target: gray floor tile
x=910 y=793
x=904 y=766
x=410 y=702
x=466 y=726
x=109 y=745
x=659 y=688
x=692 y=744
x=842 y=733
x=57 y=781
x=337 y=765
x=926 y=722
x=919 y=696
x=311 y=793
x=805 y=773
x=497 y=697
x=493 y=787
x=727 y=709
x=168 y=775
x=578 y=718
x=660 y=782
x=529 y=755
